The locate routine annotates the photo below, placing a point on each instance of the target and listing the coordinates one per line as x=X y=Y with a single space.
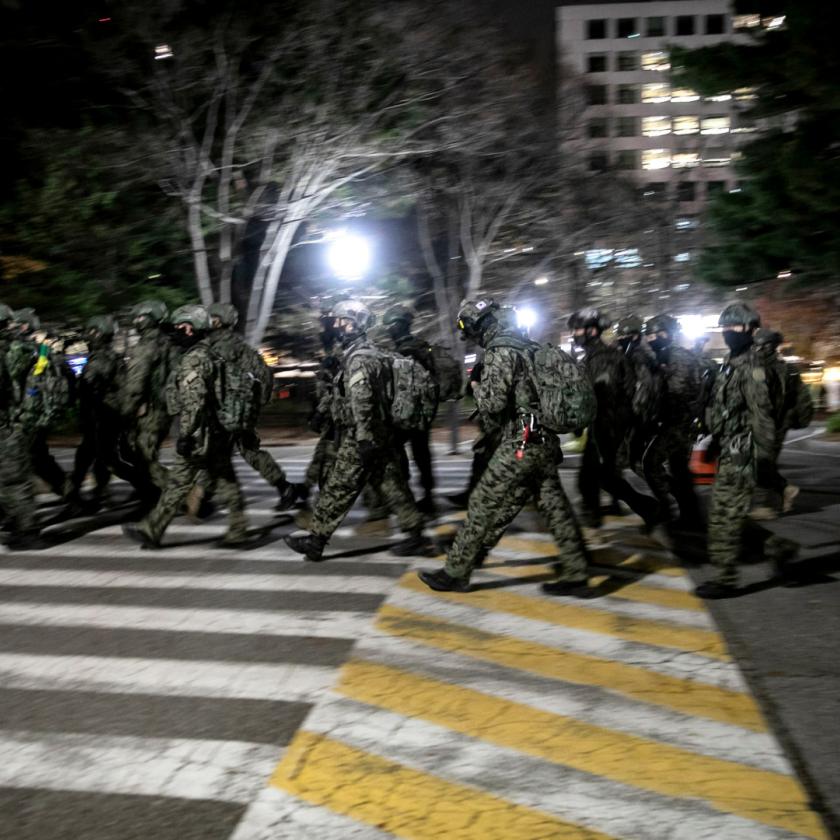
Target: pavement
x=200 y=692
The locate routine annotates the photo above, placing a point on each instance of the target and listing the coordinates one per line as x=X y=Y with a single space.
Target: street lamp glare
x=692 y=326
x=526 y=317
x=349 y=256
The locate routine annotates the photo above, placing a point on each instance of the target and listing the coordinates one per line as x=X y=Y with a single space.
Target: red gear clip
x=520 y=450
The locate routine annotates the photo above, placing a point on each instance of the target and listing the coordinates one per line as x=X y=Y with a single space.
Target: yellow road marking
x=766 y=797
x=646 y=631
x=407 y=802
x=684 y=696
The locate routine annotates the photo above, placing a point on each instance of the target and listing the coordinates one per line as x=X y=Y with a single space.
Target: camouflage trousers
x=142 y=444
x=248 y=444
x=322 y=460
x=504 y=488
x=183 y=476
x=729 y=526
x=346 y=480
x=667 y=473
x=17 y=480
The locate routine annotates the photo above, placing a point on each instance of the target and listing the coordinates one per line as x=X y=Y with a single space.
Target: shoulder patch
x=758 y=374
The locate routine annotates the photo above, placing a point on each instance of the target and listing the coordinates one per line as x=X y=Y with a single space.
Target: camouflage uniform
x=505 y=398
x=741 y=418
x=360 y=415
x=143 y=402
x=202 y=445
x=667 y=456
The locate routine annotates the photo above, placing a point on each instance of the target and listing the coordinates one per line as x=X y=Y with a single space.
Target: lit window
x=627 y=94
x=655 y=27
x=656 y=60
x=773 y=22
x=656 y=158
x=721 y=97
x=683 y=257
x=745 y=94
x=744 y=127
x=715 y=125
x=163 y=51
x=596 y=63
x=716 y=157
x=685 y=160
x=627 y=127
x=686 y=125
x=627 y=61
x=746 y=21
x=598 y=258
x=684 y=95
x=627 y=28
x=656 y=126
x=686 y=223
x=628 y=258
x=656 y=92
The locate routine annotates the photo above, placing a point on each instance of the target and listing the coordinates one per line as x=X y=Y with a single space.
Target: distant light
x=163 y=51
x=526 y=317
x=541 y=281
x=469 y=359
x=348 y=256
x=784 y=275
x=104 y=20
x=692 y=326
x=153 y=276
x=741 y=288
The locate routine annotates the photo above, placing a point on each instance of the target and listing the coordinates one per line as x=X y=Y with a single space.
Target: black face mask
x=398 y=330
x=184 y=341
x=345 y=339
x=627 y=343
x=658 y=344
x=737 y=342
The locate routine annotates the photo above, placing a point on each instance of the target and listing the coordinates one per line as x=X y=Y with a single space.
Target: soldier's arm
x=193 y=377
x=360 y=392
x=137 y=375
x=643 y=396
x=761 y=412
x=684 y=378
x=493 y=393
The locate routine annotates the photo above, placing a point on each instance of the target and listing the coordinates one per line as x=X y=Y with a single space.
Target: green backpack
x=49 y=387
x=449 y=374
x=238 y=392
x=798 y=403
x=566 y=397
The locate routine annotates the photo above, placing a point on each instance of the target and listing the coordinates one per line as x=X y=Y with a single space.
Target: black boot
x=442 y=581
x=310 y=545
x=290 y=495
x=26 y=542
x=573 y=588
x=134 y=532
x=426 y=506
x=417 y=545
x=459 y=500
x=714 y=590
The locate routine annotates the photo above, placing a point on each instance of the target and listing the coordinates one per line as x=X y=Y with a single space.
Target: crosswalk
x=211 y=693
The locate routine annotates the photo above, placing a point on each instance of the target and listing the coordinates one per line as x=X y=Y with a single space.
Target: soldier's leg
x=421 y=450
x=392 y=485
x=248 y=444
x=314 y=471
x=45 y=466
x=182 y=476
x=152 y=430
x=84 y=457
x=494 y=503
x=221 y=473
x=375 y=501
x=342 y=487
x=612 y=481
x=653 y=463
x=554 y=505
x=17 y=487
x=731 y=495
x=589 y=483
x=682 y=483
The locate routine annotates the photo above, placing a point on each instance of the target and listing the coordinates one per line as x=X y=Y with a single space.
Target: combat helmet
x=397 y=313
x=105 y=325
x=193 y=314
x=586 y=318
x=27 y=317
x=353 y=310
x=472 y=313
x=767 y=338
x=225 y=313
x=155 y=311
x=629 y=325
x=662 y=323
x=739 y=314
x=6 y=313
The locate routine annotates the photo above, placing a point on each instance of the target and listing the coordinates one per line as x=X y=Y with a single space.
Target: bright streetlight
x=526 y=317
x=348 y=255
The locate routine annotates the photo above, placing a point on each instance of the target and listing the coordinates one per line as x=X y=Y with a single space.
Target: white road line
x=599 y=804
x=166 y=677
x=675 y=663
x=356 y=584
x=224 y=771
x=317 y=624
x=593 y=705
x=277 y=815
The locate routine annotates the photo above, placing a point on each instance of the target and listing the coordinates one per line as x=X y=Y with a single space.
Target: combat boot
x=442 y=581
x=418 y=545
x=310 y=545
x=781 y=553
x=290 y=495
x=136 y=532
x=459 y=500
x=714 y=590
x=574 y=588
x=32 y=541
x=426 y=506
x=789 y=494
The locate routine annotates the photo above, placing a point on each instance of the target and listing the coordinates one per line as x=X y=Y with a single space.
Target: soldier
x=792 y=409
x=668 y=453
x=6 y=396
x=242 y=361
x=741 y=418
x=202 y=444
x=397 y=320
x=646 y=394
x=523 y=465
x=143 y=401
x=367 y=447
x=601 y=465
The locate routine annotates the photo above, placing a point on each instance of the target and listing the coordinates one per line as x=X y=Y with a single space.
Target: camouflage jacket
x=362 y=392
x=681 y=386
x=417 y=349
x=149 y=364
x=615 y=385
x=5 y=382
x=20 y=357
x=233 y=348
x=777 y=374
x=505 y=394
x=646 y=392
x=190 y=395
x=100 y=380
x=741 y=412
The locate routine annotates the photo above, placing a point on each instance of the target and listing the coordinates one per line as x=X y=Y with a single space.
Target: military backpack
x=50 y=387
x=449 y=373
x=566 y=397
x=238 y=390
x=799 y=407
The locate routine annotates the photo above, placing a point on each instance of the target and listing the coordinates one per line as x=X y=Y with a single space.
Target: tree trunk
x=199 y=251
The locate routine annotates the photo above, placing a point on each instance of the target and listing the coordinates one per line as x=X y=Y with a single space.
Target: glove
x=369 y=454
x=184 y=446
